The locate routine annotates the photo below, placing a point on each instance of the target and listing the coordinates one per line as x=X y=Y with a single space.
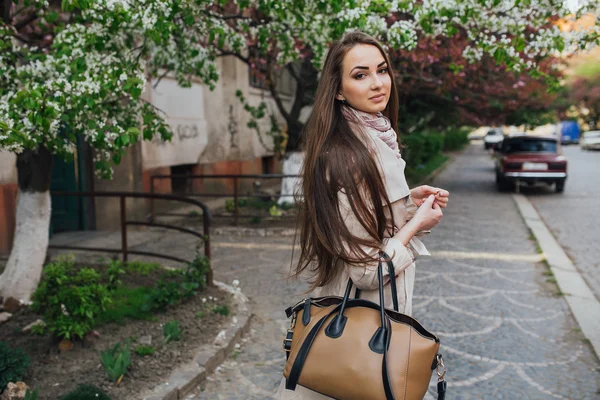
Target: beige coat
x=365 y=276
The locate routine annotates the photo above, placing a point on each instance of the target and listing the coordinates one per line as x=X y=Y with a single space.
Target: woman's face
x=366 y=83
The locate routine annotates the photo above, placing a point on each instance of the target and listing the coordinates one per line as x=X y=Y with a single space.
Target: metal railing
x=236 y=192
x=124 y=223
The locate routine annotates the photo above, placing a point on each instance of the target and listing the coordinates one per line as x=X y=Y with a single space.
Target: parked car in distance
x=590 y=140
x=492 y=138
x=530 y=160
x=569 y=132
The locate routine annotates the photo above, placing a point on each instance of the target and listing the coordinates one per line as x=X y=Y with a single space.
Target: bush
x=456 y=139
x=197 y=271
x=68 y=300
x=86 y=392
x=165 y=294
x=116 y=361
x=413 y=152
x=13 y=364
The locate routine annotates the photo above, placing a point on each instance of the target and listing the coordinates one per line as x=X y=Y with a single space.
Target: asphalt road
x=574 y=216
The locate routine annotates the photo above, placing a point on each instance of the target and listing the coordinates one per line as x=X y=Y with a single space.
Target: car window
x=529 y=146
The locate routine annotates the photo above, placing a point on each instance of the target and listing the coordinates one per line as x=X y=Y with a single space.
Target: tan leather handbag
x=355 y=349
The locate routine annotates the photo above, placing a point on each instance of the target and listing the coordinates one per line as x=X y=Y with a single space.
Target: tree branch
x=26 y=21
x=223 y=53
x=275 y=95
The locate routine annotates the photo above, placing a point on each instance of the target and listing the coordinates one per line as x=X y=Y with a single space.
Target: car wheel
x=502 y=184
x=560 y=186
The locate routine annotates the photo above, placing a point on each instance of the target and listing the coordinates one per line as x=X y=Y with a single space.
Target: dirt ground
x=56 y=374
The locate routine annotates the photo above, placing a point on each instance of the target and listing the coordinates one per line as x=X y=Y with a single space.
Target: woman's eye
x=383 y=71
x=359 y=76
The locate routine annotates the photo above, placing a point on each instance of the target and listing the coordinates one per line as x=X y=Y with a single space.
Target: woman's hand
x=429 y=214
x=419 y=194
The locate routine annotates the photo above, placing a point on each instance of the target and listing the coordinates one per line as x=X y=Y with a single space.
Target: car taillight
x=512 y=165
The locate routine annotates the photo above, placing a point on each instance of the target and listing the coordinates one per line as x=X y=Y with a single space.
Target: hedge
x=420 y=147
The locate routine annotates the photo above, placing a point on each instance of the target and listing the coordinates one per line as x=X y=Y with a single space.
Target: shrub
x=116 y=361
x=144 y=350
x=172 y=331
x=413 y=152
x=115 y=270
x=197 y=271
x=86 y=392
x=13 y=364
x=69 y=300
x=455 y=139
x=165 y=294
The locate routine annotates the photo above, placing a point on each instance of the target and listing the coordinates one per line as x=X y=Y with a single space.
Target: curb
x=580 y=298
x=209 y=356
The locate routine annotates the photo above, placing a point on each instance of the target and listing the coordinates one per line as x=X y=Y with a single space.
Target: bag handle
x=392 y=274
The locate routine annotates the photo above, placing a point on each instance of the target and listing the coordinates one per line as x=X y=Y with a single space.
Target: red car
x=529 y=160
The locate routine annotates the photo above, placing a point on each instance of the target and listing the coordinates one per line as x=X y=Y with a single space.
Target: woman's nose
x=376 y=82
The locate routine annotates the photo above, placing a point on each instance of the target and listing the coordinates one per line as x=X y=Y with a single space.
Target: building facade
x=210 y=136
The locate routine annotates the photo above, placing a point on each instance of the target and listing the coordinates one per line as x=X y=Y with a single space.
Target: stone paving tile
x=505 y=333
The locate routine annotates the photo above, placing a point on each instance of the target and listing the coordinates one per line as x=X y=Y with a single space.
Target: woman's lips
x=379 y=97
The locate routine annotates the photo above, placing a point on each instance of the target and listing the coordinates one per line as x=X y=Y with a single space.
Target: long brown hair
x=336 y=158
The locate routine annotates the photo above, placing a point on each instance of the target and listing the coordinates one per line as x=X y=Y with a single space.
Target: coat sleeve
x=364 y=276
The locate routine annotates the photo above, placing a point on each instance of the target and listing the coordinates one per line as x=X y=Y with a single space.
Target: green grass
x=128 y=303
x=414 y=175
x=141 y=268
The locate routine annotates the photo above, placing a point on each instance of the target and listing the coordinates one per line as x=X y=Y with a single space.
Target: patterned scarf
x=377 y=125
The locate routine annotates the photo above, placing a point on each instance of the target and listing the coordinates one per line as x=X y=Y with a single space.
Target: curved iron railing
x=124 y=251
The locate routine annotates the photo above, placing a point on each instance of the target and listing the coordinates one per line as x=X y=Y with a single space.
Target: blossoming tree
x=78 y=68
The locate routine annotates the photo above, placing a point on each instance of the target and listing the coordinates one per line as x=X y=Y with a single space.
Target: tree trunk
x=23 y=270
x=291 y=188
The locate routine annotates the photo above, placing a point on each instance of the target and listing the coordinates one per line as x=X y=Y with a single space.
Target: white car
x=492 y=138
x=590 y=140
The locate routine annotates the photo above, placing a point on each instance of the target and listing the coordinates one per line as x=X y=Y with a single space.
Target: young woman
x=356 y=199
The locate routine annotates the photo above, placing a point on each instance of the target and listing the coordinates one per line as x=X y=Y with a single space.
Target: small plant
x=13 y=364
x=223 y=310
x=39 y=329
x=29 y=395
x=200 y=315
x=115 y=270
x=86 y=392
x=172 y=331
x=116 y=361
x=165 y=294
x=193 y=214
x=274 y=211
x=144 y=350
x=197 y=270
x=70 y=300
